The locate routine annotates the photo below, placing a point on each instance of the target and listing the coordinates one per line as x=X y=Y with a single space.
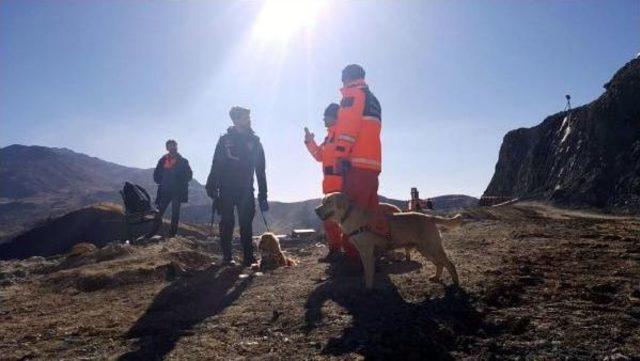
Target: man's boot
x=334 y=256
x=248 y=259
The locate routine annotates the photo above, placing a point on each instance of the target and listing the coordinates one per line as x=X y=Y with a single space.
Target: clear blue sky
x=115 y=79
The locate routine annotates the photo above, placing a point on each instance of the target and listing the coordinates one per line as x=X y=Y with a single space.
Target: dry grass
x=533 y=285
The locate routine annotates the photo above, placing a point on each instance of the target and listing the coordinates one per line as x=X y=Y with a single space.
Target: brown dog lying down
x=408 y=229
x=271 y=256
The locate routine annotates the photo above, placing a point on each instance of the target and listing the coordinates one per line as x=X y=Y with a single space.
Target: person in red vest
x=357 y=144
x=418 y=205
x=172 y=174
x=331 y=182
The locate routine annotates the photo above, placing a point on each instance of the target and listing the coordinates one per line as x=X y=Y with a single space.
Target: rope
x=264 y=220
x=213 y=218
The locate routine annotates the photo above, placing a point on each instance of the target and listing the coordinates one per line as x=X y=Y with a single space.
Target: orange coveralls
x=331 y=182
x=358 y=149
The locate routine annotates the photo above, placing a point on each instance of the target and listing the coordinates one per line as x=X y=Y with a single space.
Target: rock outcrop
x=589 y=156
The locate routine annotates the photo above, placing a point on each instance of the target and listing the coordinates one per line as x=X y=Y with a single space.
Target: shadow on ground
x=385 y=326
x=181 y=306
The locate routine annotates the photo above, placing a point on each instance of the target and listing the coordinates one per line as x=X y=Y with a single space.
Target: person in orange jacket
x=331 y=181
x=357 y=143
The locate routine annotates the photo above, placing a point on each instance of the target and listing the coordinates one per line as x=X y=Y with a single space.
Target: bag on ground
x=136 y=198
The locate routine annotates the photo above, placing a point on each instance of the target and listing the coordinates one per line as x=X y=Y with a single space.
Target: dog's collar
x=362 y=229
x=347 y=213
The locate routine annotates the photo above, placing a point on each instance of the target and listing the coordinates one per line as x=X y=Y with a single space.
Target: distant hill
x=39 y=183
x=589 y=156
x=284 y=217
x=29 y=172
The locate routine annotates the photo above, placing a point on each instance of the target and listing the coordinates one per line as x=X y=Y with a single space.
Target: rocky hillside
x=589 y=156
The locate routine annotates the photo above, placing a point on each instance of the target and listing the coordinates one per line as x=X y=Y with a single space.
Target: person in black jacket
x=237 y=157
x=172 y=174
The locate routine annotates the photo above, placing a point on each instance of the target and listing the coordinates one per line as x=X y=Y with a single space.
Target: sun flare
x=279 y=19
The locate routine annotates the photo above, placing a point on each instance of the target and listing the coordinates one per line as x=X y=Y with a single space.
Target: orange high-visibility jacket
x=357 y=133
x=324 y=153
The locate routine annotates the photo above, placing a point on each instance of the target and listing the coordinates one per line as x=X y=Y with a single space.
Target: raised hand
x=308 y=136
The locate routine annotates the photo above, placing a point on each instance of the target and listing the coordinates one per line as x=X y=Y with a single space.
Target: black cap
x=332 y=110
x=352 y=72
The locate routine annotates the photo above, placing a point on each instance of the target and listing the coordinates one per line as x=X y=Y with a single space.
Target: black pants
x=163 y=204
x=242 y=201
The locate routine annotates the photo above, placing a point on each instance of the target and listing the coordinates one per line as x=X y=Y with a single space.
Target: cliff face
x=589 y=156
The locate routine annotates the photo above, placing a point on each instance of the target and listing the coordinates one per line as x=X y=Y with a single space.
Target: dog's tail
x=452 y=222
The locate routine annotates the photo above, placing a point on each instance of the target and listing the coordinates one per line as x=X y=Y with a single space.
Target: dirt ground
x=536 y=283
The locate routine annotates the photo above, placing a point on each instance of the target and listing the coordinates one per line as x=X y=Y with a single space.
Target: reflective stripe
x=373 y=119
x=347 y=138
x=365 y=161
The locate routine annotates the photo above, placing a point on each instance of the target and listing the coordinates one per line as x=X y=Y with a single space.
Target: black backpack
x=136 y=199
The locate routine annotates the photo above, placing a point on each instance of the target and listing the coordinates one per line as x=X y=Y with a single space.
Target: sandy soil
x=536 y=283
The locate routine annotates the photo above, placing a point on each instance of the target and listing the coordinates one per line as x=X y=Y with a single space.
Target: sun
x=280 y=19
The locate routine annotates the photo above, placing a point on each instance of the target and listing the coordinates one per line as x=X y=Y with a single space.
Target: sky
x=115 y=79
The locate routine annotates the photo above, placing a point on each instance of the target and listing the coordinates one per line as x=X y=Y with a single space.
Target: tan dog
x=388 y=209
x=408 y=229
x=271 y=254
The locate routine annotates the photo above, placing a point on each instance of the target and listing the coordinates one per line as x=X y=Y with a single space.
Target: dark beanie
x=352 y=72
x=332 y=110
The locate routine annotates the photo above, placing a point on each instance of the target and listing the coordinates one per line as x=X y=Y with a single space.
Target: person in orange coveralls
x=331 y=182
x=357 y=144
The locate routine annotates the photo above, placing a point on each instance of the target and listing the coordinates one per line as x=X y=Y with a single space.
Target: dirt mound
x=81 y=248
x=118 y=265
x=99 y=224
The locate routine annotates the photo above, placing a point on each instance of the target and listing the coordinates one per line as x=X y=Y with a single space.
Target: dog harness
x=361 y=229
x=347 y=213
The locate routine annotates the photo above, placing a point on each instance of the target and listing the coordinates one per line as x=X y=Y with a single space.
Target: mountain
x=589 y=156
x=32 y=172
x=39 y=183
x=284 y=217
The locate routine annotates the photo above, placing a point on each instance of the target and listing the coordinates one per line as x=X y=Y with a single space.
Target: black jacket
x=237 y=157
x=175 y=181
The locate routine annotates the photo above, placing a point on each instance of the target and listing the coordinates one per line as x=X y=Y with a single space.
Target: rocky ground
x=536 y=283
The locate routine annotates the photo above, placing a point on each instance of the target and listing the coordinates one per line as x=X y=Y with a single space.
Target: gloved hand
x=343 y=165
x=262 y=202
